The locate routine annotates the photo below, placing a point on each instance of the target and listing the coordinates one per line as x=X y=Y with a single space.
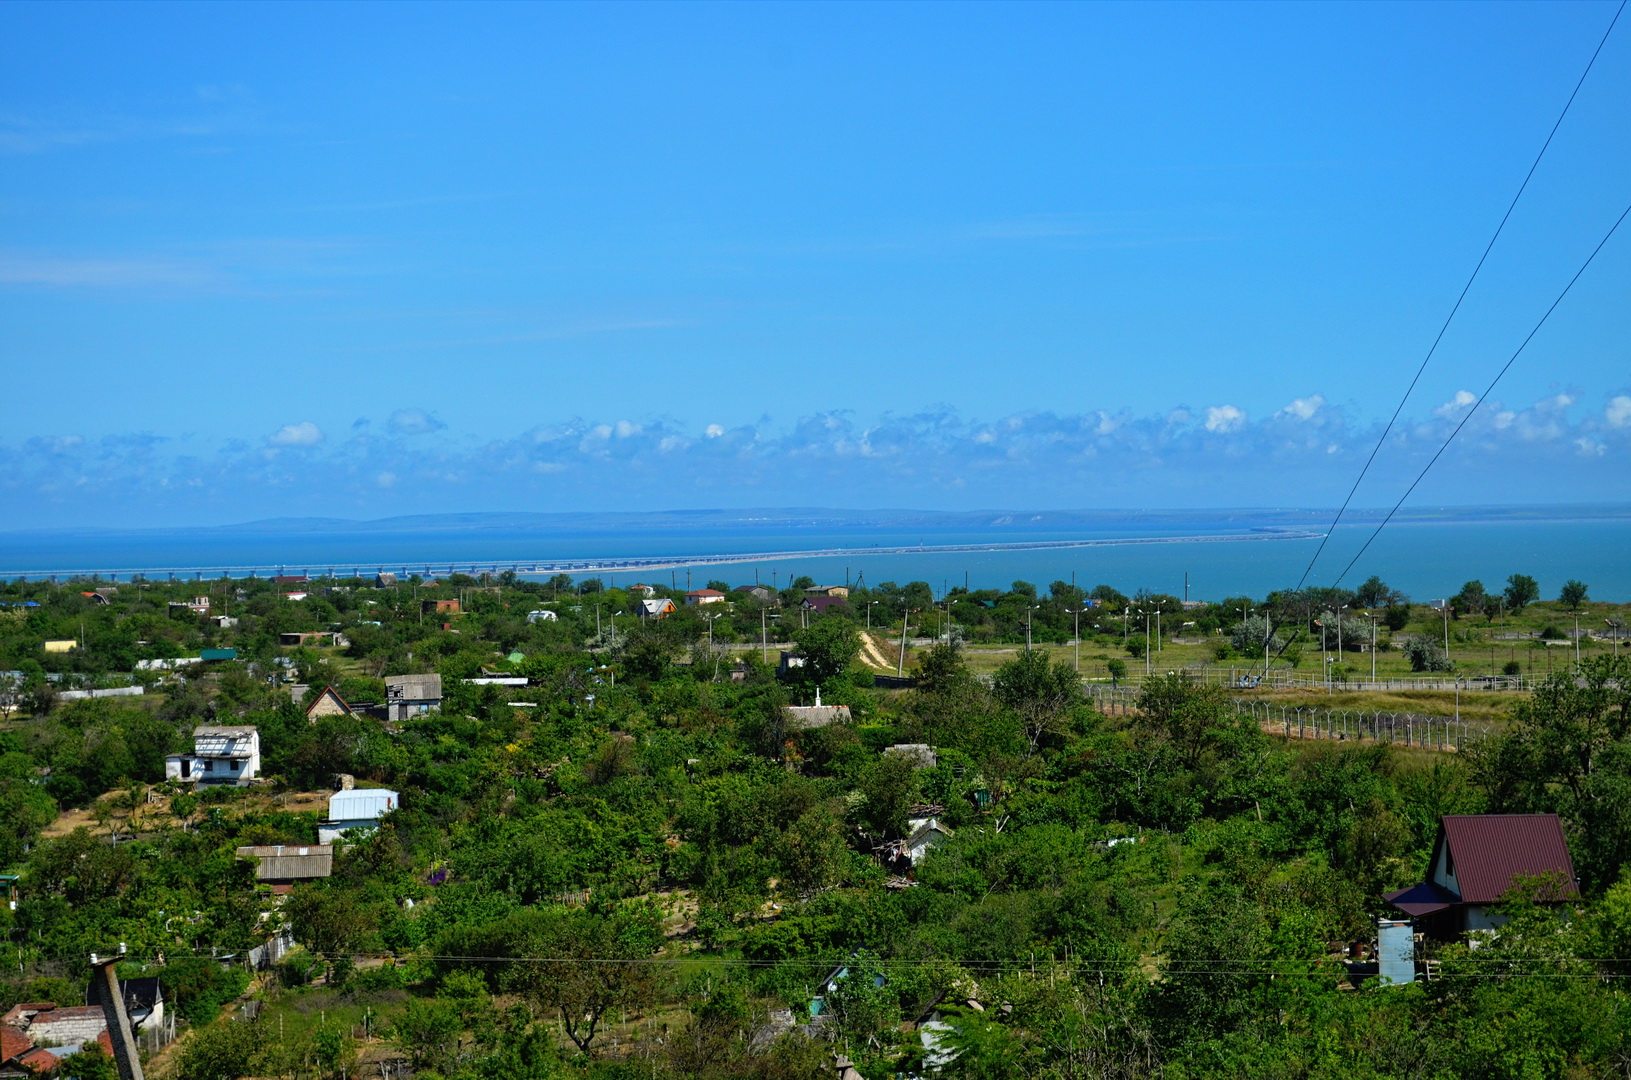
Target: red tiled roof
x=13 y=1043
x=1488 y=850
x=39 y=1060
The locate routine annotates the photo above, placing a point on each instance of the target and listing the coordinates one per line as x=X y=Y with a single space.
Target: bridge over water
x=637 y=564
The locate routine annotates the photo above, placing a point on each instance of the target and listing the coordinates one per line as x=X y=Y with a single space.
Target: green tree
x=1573 y=594
x=1521 y=591
x=829 y=646
x=889 y=787
x=1568 y=752
x=812 y=850
x=861 y=1003
x=1039 y=693
x=428 y=1032
x=597 y=962
x=1375 y=593
x=1188 y=715
x=90 y=1063
x=224 y=1050
x=329 y=920
x=1396 y=616
x=1470 y=600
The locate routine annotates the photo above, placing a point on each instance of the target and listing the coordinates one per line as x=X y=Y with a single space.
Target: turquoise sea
x=1427 y=555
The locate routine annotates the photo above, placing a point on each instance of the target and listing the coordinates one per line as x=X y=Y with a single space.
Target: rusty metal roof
x=1488 y=850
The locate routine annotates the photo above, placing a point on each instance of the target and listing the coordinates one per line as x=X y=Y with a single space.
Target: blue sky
x=347 y=259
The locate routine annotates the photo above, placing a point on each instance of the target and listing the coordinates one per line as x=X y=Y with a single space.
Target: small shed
x=412 y=695
x=286 y=864
x=357 y=808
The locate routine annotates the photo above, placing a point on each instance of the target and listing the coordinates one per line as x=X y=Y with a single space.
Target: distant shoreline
x=791 y=518
x=539 y=567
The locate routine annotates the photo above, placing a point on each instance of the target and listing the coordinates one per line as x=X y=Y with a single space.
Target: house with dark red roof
x=1477 y=860
x=820 y=605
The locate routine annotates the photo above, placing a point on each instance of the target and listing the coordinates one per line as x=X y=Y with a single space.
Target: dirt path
x=872 y=655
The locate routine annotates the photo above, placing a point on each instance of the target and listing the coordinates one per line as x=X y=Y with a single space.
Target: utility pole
x=1576 y=636
x=1266 y=633
x=1325 y=661
x=1340 y=610
x=900 y=663
x=1077 y=612
x=1371 y=615
x=105 y=985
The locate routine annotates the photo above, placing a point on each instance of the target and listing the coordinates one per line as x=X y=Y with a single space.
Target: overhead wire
x=1481 y=397
x=1386 y=431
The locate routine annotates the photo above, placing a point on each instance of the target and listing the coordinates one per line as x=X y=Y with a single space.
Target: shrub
x=1425 y=654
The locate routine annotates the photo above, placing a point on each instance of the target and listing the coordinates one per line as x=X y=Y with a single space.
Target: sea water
x=1425 y=559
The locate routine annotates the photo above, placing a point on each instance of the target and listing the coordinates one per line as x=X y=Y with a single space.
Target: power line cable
x=1487 y=390
x=1458 y=300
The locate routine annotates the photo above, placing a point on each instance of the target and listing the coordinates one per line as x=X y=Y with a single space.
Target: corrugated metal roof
x=361 y=803
x=1489 y=850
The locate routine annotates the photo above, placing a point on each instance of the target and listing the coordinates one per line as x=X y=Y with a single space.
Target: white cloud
x=304 y=433
x=1618 y=413
x=713 y=431
x=1590 y=447
x=414 y=422
x=1455 y=405
x=1224 y=418
x=386 y=479
x=1304 y=408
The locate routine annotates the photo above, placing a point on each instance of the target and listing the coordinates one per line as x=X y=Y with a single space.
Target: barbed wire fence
x=1420 y=730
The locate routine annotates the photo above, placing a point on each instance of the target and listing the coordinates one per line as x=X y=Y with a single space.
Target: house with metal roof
x=356 y=808
x=284 y=865
x=221 y=755
x=822 y=604
x=412 y=695
x=1477 y=860
x=655 y=609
